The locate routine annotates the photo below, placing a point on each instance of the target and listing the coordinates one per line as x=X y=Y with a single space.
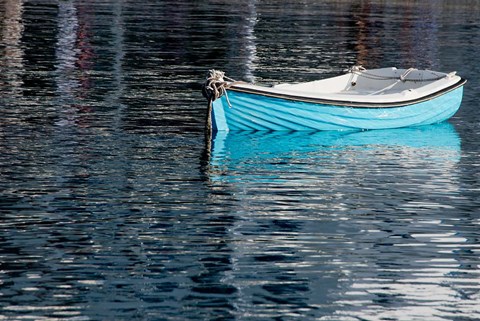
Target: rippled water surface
x=113 y=206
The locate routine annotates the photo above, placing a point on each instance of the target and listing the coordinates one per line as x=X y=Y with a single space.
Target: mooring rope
x=216 y=85
x=360 y=71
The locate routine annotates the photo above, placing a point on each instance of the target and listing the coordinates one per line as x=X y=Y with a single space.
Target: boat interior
x=381 y=85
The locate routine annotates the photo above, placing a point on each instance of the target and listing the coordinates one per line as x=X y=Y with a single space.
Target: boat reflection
x=434 y=142
x=336 y=214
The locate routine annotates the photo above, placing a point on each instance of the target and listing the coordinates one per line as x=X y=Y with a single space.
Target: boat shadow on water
x=243 y=153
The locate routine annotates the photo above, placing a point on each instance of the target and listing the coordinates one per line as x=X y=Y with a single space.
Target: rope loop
x=216 y=85
x=403 y=77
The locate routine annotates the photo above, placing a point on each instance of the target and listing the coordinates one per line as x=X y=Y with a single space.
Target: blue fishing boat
x=359 y=99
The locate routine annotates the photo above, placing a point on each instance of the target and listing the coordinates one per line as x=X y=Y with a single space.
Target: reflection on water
x=400 y=164
x=111 y=207
x=11 y=64
x=236 y=146
x=364 y=222
x=416 y=39
x=297 y=157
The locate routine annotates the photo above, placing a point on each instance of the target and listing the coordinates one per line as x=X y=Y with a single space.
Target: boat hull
x=240 y=111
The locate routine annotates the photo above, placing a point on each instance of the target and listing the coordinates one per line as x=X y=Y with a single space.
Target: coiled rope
x=360 y=71
x=216 y=85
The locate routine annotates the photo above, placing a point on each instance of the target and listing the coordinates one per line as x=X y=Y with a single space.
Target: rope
x=360 y=71
x=403 y=77
x=216 y=85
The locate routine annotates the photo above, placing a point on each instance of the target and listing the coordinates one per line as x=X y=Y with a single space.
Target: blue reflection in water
x=436 y=141
x=336 y=214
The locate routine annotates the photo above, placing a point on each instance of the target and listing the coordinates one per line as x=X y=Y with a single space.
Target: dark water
x=112 y=207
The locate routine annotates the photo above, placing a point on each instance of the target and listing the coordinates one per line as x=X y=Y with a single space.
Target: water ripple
x=113 y=206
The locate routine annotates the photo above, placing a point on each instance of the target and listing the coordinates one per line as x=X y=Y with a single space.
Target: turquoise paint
x=254 y=112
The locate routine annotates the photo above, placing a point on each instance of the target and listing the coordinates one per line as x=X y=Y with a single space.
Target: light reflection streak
x=250 y=39
x=11 y=64
x=431 y=281
x=243 y=47
x=117 y=29
x=66 y=55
